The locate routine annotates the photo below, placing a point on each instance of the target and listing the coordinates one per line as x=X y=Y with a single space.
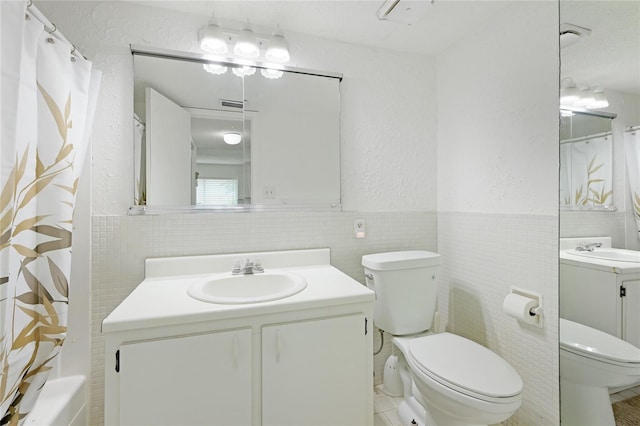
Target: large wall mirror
x=222 y=136
x=599 y=287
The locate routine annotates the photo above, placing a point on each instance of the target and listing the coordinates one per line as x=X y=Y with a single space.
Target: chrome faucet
x=588 y=247
x=250 y=267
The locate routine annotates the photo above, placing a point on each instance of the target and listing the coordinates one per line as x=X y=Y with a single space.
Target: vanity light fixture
x=245 y=45
x=212 y=39
x=572 y=96
x=232 y=138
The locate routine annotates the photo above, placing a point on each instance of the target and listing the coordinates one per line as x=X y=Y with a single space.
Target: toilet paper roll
x=519 y=307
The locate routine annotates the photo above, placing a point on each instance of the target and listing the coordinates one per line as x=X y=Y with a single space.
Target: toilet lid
x=587 y=341
x=454 y=360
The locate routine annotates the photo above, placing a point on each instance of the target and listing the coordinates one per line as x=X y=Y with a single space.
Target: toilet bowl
x=447 y=380
x=591 y=362
x=458 y=381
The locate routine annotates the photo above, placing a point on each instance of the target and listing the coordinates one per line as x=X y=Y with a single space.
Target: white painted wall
x=497 y=118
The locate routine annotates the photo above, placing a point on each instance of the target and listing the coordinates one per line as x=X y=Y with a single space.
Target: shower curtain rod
x=586 y=138
x=632 y=129
x=51 y=28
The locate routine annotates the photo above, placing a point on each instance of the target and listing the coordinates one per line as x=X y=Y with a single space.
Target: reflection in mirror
x=593 y=292
x=213 y=139
x=586 y=160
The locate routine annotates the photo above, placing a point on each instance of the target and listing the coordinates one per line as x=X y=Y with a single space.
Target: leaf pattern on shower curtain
x=593 y=195
x=42 y=283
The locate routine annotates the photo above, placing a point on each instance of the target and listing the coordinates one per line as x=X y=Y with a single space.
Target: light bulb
x=599 y=99
x=586 y=97
x=278 y=50
x=214 y=69
x=271 y=73
x=212 y=39
x=244 y=71
x=246 y=45
x=569 y=93
x=232 y=138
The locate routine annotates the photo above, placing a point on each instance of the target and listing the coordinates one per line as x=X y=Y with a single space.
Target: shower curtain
x=632 y=156
x=47 y=100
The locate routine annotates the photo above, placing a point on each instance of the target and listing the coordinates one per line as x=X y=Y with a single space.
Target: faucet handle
x=237 y=267
x=257 y=265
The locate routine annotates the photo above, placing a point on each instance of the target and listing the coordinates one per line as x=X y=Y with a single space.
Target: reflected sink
x=618 y=255
x=252 y=288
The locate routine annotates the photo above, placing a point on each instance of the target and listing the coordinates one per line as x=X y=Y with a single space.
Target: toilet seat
x=453 y=362
x=598 y=345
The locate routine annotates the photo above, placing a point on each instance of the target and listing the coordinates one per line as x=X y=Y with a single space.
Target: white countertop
x=163 y=301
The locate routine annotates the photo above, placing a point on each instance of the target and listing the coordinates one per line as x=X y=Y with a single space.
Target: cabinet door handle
x=278 y=345
x=236 y=351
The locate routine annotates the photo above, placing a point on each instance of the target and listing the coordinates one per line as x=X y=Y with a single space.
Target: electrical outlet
x=358 y=228
x=269 y=192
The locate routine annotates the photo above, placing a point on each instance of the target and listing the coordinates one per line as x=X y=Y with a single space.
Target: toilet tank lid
x=400 y=260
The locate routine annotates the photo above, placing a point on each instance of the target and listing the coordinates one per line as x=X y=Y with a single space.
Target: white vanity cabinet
x=302 y=360
x=310 y=375
x=601 y=296
x=201 y=379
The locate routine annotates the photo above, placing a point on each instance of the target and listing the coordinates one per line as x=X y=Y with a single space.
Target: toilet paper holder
x=535 y=311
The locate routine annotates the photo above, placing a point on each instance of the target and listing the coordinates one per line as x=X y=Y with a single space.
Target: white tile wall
x=483 y=255
x=121 y=243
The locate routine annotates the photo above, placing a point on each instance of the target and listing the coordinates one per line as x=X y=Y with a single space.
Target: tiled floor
x=625 y=394
x=385 y=407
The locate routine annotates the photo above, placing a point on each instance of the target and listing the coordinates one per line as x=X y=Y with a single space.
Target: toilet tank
x=406 y=287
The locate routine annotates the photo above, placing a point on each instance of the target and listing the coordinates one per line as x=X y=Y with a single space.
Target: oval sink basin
x=618 y=255
x=253 y=288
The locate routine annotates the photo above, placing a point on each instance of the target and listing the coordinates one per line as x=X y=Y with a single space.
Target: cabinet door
x=591 y=297
x=193 y=380
x=315 y=372
x=631 y=312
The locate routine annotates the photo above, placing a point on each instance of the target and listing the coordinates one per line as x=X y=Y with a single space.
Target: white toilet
x=591 y=362
x=447 y=379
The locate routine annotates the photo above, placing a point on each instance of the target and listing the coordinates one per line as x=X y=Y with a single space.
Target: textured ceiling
x=610 y=57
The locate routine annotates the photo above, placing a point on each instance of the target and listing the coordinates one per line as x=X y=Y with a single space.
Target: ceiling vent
x=404 y=11
x=571 y=34
x=231 y=103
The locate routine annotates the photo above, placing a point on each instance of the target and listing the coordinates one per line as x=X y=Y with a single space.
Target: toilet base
x=410 y=412
x=585 y=405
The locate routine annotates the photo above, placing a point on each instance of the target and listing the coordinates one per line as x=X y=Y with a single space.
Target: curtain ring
x=52 y=30
x=29 y=3
x=74 y=49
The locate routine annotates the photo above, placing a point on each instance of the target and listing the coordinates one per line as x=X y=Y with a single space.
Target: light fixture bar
x=203 y=58
x=583 y=111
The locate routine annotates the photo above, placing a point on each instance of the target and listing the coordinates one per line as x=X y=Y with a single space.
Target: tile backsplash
x=120 y=244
